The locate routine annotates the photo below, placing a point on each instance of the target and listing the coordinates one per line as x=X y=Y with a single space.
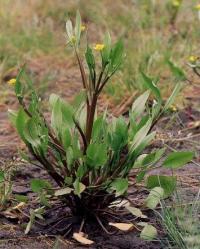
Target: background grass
x=181 y=222
x=35 y=30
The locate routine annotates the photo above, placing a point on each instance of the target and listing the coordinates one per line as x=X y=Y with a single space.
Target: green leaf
x=174 y=94
x=139 y=105
x=149 y=232
x=21 y=123
x=140 y=135
x=96 y=155
x=69 y=29
x=68 y=180
x=70 y=157
x=146 y=161
x=168 y=183
x=62 y=114
x=66 y=137
x=154 y=157
x=56 y=117
x=31 y=133
x=18 y=86
x=53 y=99
x=139 y=161
x=91 y=63
x=78 y=28
x=119 y=136
x=140 y=176
x=21 y=198
x=37 y=185
x=1 y=175
x=146 y=141
x=117 y=55
x=90 y=58
x=67 y=114
x=81 y=171
x=156 y=110
x=36 y=133
x=44 y=199
x=151 y=85
x=98 y=126
x=178 y=159
x=120 y=185
x=177 y=71
x=78 y=187
x=107 y=49
x=149 y=159
x=154 y=197
x=79 y=100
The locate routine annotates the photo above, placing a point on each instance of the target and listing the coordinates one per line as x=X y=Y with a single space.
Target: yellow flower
x=99 y=47
x=73 y=39
x=12 y=81
x=173 y=108
x=193 y=58
x=176 y=3
x=83 y=28
x=197 y=7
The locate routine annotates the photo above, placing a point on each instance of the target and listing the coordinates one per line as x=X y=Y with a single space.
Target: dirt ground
x=178 y=131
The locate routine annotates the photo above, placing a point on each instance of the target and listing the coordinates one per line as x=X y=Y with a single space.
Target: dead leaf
x=81 y=238
x=193 y=125
x=122 y=226
x=9 y=214
x=120 y=204
x=63 y=191
x=18 y=206
x=136 y=212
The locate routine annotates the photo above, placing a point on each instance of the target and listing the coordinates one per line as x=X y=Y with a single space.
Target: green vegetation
x=88 y=156
x=5 y=186
x=92 y=157
x=181 y=222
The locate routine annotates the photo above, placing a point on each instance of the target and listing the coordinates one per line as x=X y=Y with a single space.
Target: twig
x=102 y=226
x=82 y=225
x=178 y=139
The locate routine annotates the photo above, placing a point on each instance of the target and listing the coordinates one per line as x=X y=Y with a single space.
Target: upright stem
x=85 y=85
x=83 y=76
x=91 y=114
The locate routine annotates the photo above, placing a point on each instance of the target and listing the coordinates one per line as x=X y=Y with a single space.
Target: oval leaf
x=149 y=232
x=63 y=191
x=136 y=212
x=80 y=237
x=178 y=159
x=37 y=185
x=79 y=187
x=120 y=185
x=122 y=226
x=155 y=195
x=168 y=183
